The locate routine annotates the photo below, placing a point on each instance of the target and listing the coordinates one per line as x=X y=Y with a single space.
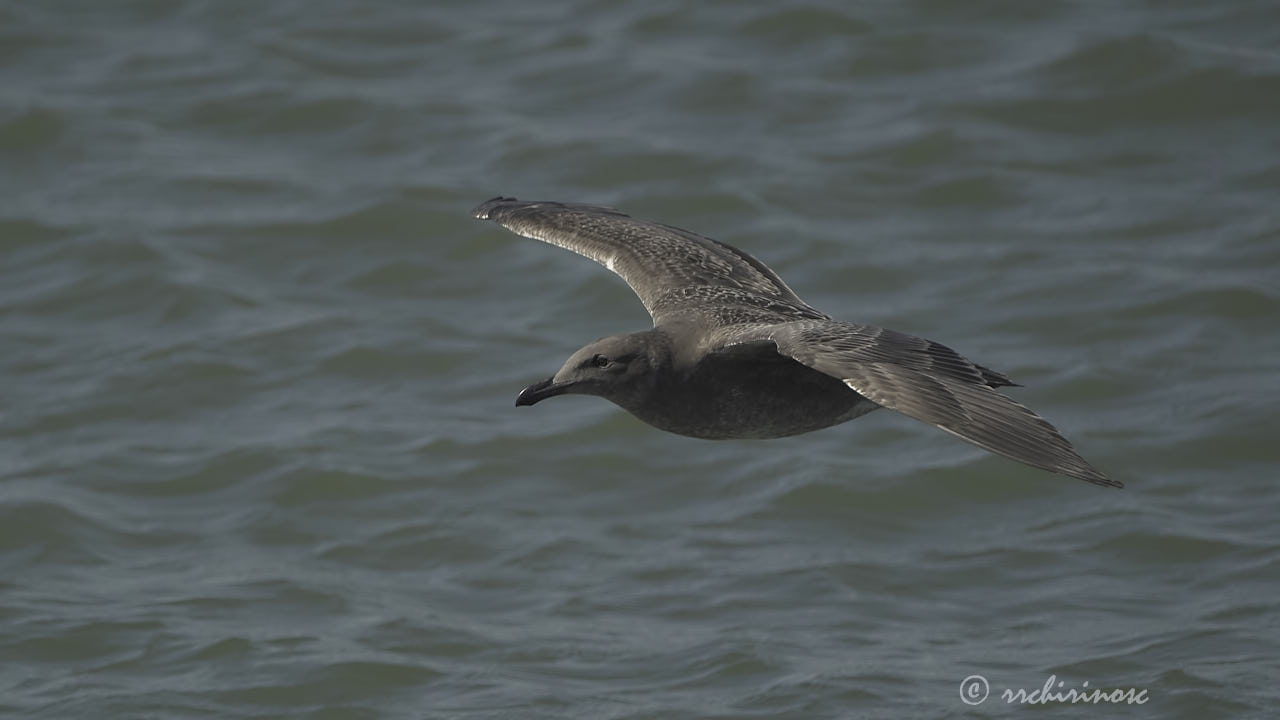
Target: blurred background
x=258 y=454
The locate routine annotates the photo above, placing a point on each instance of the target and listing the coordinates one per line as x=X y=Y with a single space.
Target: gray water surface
x=258 y=455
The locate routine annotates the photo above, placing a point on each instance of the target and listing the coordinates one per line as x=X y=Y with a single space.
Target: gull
x=735 y=353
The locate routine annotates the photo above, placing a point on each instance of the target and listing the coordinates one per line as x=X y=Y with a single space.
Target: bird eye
x=600 y=361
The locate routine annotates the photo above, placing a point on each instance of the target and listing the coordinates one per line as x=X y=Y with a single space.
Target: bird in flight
x=735 y=353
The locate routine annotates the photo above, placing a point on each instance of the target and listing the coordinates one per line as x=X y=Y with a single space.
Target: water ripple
x=258 y=455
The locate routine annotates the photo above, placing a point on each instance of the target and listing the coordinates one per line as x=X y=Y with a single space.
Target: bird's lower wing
x=975 y=413
x=967 y=409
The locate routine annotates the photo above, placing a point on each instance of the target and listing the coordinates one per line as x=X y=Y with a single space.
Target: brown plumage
x=735 y=353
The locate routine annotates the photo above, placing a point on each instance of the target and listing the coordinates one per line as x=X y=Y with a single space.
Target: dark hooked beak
x=540 y=391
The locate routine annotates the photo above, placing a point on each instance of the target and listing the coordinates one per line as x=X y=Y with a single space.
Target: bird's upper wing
x=668 y=268
x=926 y=381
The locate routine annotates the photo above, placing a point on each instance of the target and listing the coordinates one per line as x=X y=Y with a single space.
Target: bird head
x=619 y=368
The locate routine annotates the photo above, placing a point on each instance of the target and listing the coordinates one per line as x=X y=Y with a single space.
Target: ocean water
x=258 y=455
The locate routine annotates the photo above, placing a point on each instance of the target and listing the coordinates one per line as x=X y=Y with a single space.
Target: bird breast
x=749 y=396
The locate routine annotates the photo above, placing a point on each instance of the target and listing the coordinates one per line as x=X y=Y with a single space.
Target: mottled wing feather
x=928 y=382
x=868 y=343
x=975 y=413
x=657 y=261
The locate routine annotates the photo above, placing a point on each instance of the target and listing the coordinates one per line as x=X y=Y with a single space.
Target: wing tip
x=496 y=208
x=1089 y=475
x=485 y=210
